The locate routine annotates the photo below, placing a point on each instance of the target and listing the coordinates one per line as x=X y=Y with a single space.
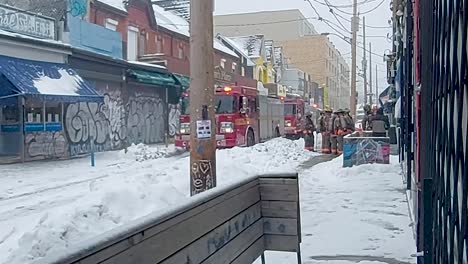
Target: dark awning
x=183 y=81
x=45 y=80
x=153 y=78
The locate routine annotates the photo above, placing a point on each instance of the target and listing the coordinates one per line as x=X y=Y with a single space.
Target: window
x=243 y=71
x=222 y=63
x=112 y=24
x=34 y=111
x=142 y=44
x=159 y=44
x=181 y=54
x=234 y=67
x=132 y=45
x=53 y=112
x=9 y=114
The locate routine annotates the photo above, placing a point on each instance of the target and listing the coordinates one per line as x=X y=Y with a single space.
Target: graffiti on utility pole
x=202 y=176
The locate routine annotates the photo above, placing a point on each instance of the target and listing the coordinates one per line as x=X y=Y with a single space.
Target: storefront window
x=43 y=116
x=34 y=111
x=9 y=114
x=53 y=112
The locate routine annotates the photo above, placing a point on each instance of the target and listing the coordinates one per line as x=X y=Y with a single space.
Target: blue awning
x=44 y=80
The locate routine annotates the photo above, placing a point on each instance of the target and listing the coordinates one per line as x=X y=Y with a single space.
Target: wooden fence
x=234 y=224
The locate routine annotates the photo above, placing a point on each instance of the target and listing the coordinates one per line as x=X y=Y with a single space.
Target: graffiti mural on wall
x=174 y=119
x=145 y=122
x=365 y=150
x=114 y=124
x=45 y=145
x=87 y=126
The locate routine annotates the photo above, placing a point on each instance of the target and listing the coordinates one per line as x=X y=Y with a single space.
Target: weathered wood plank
x=219 y=237
x=281 y=243
x=279 y=209
x=280 y=226
x=252 y=253
x=278 y=181
x=189 y=213
x=164 y=223
x=164 y=244
x=272 y=192
x=242 y=242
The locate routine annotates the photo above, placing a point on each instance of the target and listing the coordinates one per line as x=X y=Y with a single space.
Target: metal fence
x=444 y=135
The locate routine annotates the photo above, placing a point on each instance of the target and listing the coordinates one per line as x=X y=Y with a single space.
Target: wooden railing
x=234 y=224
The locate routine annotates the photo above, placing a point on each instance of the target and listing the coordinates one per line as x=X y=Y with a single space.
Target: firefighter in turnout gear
x=323 y=123
x=333 y=133
x=308 y=129
x=342 y=129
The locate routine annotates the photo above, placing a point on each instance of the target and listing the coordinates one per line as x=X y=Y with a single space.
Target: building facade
x=303 y=48
x=276 y=25
x=317 y=56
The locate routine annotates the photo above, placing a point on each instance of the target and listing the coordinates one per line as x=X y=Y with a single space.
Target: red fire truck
x=294 y=107
x=237 y=118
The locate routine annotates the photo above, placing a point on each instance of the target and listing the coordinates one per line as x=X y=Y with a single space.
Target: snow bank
x=353 y=215
x=90 y=201
x=144 y=152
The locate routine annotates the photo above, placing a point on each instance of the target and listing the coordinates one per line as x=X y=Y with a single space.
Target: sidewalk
x=353 y=215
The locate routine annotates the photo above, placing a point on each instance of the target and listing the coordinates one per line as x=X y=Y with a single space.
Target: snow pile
x=144 y=152
x=52 y=207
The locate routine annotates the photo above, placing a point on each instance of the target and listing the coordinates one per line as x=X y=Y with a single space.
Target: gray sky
x=379 y=18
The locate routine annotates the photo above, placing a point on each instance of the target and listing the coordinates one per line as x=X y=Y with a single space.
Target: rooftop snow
x=65 y=85
x=147 y=64
x=251 y=45
x=119 y=4
x=17 y=35
x=175 y=23
x=237 y=47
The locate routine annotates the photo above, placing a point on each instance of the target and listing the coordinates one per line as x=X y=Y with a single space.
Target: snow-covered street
x=353 y=215
x=47 y=206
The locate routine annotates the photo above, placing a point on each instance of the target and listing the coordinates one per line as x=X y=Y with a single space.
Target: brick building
x=154 y=35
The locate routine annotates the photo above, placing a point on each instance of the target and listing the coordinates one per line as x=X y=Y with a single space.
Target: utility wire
x=333 y=13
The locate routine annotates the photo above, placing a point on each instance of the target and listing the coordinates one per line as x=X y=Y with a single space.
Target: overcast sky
x=378 y=18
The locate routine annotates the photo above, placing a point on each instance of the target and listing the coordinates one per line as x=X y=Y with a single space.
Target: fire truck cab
x=294 y=107
x=236 y=118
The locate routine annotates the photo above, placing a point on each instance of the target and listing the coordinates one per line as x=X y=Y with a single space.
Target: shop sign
x=221 y=75
x=22 y=22
x=281 y=90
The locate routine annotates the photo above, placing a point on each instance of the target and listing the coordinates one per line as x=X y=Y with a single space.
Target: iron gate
x=444 y=138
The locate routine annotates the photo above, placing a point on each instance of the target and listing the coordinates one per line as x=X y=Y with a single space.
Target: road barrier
x=364 y=149
x=233 y=224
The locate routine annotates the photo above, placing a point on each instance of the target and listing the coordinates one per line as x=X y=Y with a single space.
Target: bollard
x=93 y=162
x=92 y=159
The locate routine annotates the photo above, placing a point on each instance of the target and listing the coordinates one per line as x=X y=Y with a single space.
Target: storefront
x=33 y=96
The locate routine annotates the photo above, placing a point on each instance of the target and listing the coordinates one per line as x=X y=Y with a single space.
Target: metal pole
x=202 y=112
x=370 y=73
x=364 y=60
x=354 y=29
x=377 y=99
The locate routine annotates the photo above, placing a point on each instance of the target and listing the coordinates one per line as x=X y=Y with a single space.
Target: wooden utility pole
x=354 y=30
x=370 y=73
x=364 y=59
x=202 y=112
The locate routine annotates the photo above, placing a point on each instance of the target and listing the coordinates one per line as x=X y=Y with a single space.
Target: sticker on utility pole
x=203 y=129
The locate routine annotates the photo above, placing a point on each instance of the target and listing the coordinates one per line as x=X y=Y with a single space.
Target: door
x=132 y=44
